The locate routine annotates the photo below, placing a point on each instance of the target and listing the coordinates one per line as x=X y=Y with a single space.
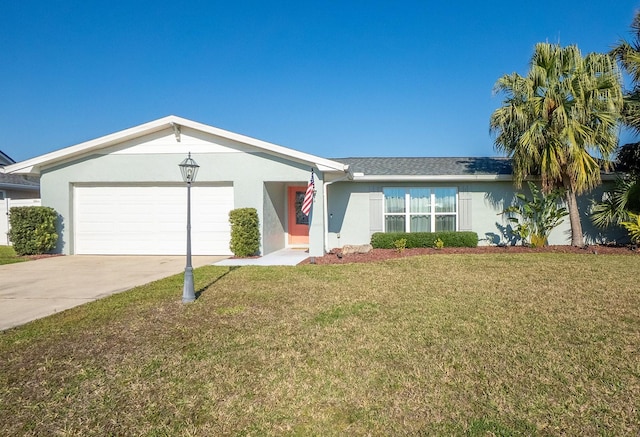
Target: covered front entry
x=298 y=223
x=150 y=220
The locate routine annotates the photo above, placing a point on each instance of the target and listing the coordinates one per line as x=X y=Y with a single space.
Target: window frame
x=407 y=213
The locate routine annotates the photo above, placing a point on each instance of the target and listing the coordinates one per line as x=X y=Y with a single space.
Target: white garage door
x=151 y=220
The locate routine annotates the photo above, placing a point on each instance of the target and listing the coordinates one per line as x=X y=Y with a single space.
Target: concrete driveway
x=34 y=289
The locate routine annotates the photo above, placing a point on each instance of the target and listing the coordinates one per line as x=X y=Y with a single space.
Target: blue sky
x=335 y=79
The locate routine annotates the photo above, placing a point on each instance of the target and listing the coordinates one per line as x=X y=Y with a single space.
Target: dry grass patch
x=536 y=344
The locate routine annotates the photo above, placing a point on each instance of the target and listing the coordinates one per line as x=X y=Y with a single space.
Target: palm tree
x=628 y=55
x=624 y=199
x=560 y=122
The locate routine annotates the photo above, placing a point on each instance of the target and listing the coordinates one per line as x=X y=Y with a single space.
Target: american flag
x=308 y=197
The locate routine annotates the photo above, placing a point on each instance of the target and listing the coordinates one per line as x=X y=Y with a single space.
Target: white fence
x=5 y=206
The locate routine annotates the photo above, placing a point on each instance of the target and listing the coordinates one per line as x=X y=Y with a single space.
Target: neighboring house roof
x=18 y=182
x=34 y=165
x=429 y=168
x=15 y=182
x=5 y=159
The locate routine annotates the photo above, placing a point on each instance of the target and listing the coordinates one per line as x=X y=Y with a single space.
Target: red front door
x=298 y=222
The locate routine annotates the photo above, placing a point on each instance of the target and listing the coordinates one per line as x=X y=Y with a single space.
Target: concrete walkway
x=34 y=289
x=282 y=257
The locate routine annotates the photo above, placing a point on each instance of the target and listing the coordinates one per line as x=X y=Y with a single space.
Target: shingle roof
x=18 y=180
x=428 y=166
x=15 y=180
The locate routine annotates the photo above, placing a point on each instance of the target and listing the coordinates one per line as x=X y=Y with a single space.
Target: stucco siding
x=348 y=214
x=273 y=228
x=480 y=204
x=220 y=164
x=493 y=227
x=260 y=177
x=488 y=200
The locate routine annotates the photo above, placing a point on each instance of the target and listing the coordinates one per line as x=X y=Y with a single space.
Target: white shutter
x=465 y=208
x=376 y=199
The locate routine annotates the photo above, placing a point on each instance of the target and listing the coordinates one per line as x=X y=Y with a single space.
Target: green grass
x=8 y=256
x=474 y=345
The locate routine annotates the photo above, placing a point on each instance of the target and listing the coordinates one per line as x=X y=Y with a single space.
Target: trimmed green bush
x=245 y=232
x=33 y=229
x=385 y=240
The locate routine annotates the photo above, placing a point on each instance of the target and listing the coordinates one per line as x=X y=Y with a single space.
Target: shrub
x=385 y=240
x=438 y=244
x=33 y=229
x=400 y=245
x=245 y=232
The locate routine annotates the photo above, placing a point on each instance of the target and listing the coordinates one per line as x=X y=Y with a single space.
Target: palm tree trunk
x=574 y=218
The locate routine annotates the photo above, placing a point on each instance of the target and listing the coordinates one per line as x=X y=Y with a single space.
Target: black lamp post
x=189 y=169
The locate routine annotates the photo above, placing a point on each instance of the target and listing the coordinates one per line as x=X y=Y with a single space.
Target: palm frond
x=617 y=204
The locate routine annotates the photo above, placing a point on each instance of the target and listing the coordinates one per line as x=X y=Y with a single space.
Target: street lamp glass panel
x=189 y=169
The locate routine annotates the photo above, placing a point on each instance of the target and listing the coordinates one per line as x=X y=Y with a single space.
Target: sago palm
x=559 y=122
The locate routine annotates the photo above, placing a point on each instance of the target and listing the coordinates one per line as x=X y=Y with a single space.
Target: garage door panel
x=142 y=220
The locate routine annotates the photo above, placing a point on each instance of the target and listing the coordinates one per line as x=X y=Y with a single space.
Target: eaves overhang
x=429 y=178
x=33 y=166
x=359 y=177
x=18 y=187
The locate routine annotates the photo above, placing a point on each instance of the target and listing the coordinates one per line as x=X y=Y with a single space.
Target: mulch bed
x=42 y=256
x=336 y=257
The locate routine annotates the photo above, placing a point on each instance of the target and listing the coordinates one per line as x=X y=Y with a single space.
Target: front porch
x=284 y=226
x=282 y=257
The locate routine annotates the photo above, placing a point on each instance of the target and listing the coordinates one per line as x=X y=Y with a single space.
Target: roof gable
x=175 y=125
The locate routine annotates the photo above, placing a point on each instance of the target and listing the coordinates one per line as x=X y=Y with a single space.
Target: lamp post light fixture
x=189 y=170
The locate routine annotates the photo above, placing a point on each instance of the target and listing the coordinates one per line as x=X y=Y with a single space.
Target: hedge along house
x=123 y=193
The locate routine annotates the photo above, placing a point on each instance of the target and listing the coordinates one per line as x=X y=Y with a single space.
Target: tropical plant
x=560 y=122
x=622 y=203
x=538 y=215
x=633 y=227
x=618 y=203
x=628 y=55
x=520 y=230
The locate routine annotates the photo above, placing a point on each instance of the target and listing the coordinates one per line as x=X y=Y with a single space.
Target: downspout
x=325 y=205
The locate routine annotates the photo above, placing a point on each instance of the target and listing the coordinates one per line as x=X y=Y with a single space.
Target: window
x=420 y=209
x=301 y=218
x=2 y=195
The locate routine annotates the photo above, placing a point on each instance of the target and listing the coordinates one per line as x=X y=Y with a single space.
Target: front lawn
x=524 y=344
x=8 y=255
